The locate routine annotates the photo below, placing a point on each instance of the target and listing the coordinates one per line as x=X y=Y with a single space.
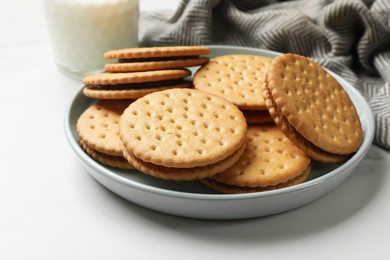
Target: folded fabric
x=349 y=37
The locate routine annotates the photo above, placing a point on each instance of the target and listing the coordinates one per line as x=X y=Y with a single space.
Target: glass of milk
x=81 y=31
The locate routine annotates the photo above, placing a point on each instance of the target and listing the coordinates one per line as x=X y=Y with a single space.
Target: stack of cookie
x=140 y=71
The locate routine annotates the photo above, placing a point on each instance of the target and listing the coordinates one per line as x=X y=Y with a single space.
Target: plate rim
x=367 y=141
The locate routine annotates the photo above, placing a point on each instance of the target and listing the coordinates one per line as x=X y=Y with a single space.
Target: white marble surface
x=50 y=208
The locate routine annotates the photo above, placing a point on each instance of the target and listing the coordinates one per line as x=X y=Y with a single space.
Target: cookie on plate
x=98 y=129
x=312 y=109
x=133 y=85
x=156 y=58
x=232 y=189
x=183 y=174
x=182 y=130
x=270 y=161
x=237 y=77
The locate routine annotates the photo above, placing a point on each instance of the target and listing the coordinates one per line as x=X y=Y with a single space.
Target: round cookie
x=157 y=52
x=257 y=116
x=270 y=159
x=112 y=79
x=156 y=58
x=132 y=85
x=312 y=108
x=98 y=126
x=129 y=93
x=237 y=78
x=127 y=66
x=182 y=128
x=231 y=189
x=184 y=174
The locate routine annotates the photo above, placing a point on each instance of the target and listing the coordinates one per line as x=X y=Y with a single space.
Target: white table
x=50 y=208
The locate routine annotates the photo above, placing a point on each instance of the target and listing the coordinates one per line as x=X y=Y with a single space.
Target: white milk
x=81 y=31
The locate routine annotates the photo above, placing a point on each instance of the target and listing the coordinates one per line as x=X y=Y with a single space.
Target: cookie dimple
x=237 y=78
x=314 y=104
x=183 y=135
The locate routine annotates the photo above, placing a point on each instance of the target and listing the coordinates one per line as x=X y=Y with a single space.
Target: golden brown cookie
x=184 y=174
x=156 y=58
x=157 y=52
x=153 y=64
x=98 y=126
x=312 y=108
x=270 y=159
x=232 y=189
x=237 y=78
x=182 y=128
x=129 y=93
x=133 y=85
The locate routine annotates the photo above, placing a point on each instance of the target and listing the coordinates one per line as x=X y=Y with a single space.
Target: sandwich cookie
x=237 y=78
x=312 y=109
x=270 y=161
x=133 y=85
x=156 y=58
x=98 y=129
x=257 y=116
x=182 y=134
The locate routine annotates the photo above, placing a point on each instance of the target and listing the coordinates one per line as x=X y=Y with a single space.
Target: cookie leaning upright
x=182 y=134
x=312 y=108
x=156 y=58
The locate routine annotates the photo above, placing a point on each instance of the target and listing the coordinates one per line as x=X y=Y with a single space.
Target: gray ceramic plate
x=192 y=199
